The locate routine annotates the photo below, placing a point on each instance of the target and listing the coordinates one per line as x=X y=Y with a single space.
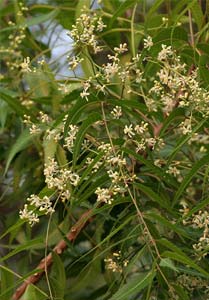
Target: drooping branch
x=58 y=249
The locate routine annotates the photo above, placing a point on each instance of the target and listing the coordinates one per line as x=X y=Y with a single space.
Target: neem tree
x=105 y=169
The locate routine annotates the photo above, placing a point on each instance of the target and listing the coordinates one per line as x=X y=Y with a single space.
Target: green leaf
x=176 y=113
x=154 y=8
x=198 y=207
x=42 y=18
x=181 y=292
x=197 y=14
x=57 y=277
x=90 y=186
x=121 y=9
x=184 y=140
x=170 y=245
x=40 y=83
x=168 y=225
x=202 y=162
x=162 y=201
x=28 y=245
x=90 y=167
x=31 y=293
x=81 y=4
x=24 y=139
x=7 y=280
x=34 y=20
x=179 y=7
x=180 y=255
x=134 y=286
x=61 y=156
x=50 y=148
x=77 y=110
x=168 y=263
x=4 y=111
x=92 y=118
x=11 y=100
x=146 y=162
x=204 y=73
x=17 y=225
x=168 y=36
x=10 y=289
x=184 y=260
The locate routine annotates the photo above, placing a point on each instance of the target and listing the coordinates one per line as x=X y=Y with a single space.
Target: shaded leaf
x=21 y=143
x=134 y=286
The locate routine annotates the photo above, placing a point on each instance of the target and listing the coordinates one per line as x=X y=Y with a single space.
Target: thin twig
x=58 y=249
x=191 y=28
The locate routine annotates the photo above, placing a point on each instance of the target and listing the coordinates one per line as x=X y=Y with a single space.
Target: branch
x=58 y=249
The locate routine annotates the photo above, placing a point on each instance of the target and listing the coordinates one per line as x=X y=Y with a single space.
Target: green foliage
x=104 y=159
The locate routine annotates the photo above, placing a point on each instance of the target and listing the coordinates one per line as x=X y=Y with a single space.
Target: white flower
x=83 y=32
x=142 y=128
x=43 y=204
x=101 y=88
x=105 y=147
x=165 y=20
x=74 y=179
x=25 y=65
x=173 y=171
x=148 y=43
x=34 y=129
x=116 y=112
x=141 y=146
x=100 y=25
x=139 y=76
x=74 y=62
x=186 y=126
x=69 y=140
x=53 y=134
x=28 y=215
x=151 y=142
x=165 y=53
x=86 y=86
x=114 y=176
x=110 y=69
x=122 y=48
x=103 y=195
x=64 y=89
x=84 y=94
x=124 y=75
x=158 y=163
x=116 y=160
x=136 y=58
x=128 y=130
x=44 y=118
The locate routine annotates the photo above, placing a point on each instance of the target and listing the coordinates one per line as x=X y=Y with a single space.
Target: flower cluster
x=175 y=87
x=122 y=83
x=198 y=221
x=148 y=43
x=115 y=263
x=43 y=205
x=116 y=112
x=25 y=65
x=12 y=53
x=28 y=215
x=192 y=283
x=70 y=139
x=141 y=137
x=74 y=62
x=60 y=179
x=201 y=220
x=84 y=32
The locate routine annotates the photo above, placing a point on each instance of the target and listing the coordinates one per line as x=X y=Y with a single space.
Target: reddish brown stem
x=58 y=249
